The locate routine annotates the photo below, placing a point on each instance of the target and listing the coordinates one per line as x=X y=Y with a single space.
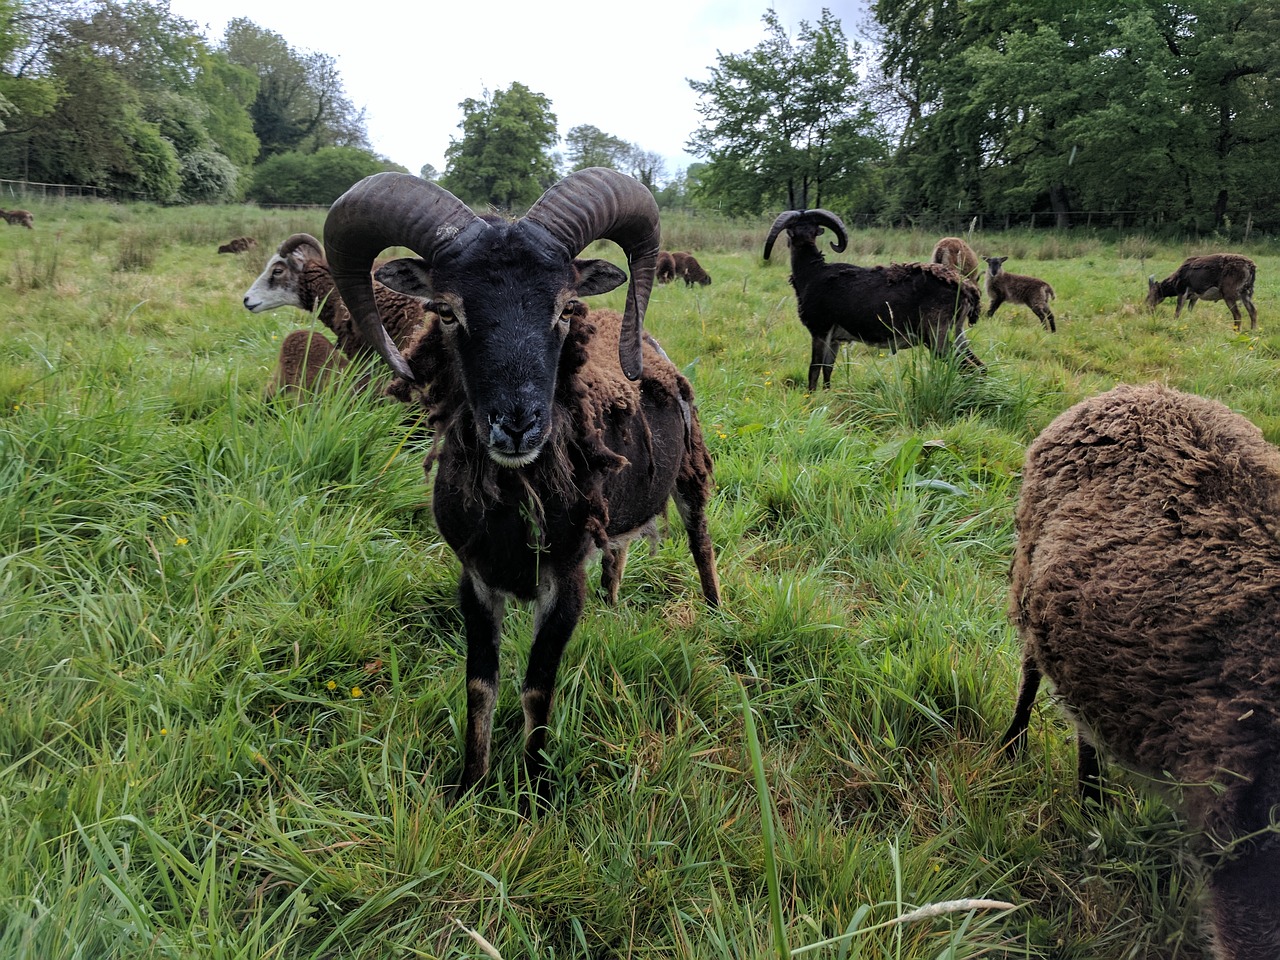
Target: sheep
x=1215 y=276
x=688 y=269
x=238 y=245
x=666 y=268
x=18 y=218
x=297 y=275
x=903 y=303
x=955 y=253
x=545 y=451
x=307 y=362
x=1016 y=288
x=1145 y=585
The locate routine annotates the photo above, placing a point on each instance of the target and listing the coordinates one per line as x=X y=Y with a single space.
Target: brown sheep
x=1145 y=585
x=18 y=218
x=1215 y=276
x=959 y=256
x=688 y=268
x=666 y=271
x=1031 y=292
x=238 y=245
x=307 y=362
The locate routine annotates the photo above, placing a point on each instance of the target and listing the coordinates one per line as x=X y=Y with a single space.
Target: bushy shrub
x=318 y=178
x=207 y=177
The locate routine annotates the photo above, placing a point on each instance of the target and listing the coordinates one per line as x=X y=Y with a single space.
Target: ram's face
x=505 y=305
x=276 y=286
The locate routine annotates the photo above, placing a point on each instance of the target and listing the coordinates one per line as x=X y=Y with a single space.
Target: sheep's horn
x=387 y=210
x=785 y=219
x=297 y=240
x=602 y=204
x=834 y=223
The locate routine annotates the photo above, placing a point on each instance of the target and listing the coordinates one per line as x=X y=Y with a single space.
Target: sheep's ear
x=598 y=276
x=408 y=275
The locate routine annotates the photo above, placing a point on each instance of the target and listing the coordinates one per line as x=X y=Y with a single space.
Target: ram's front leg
x=482 y=611
x=556 y=614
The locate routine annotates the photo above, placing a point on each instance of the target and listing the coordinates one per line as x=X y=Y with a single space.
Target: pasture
x=233 y=684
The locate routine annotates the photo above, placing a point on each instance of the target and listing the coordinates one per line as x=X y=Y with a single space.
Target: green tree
x=504 y=155
x=314 y=178
x=588 y=146
x=785 y=122
x=228 y=91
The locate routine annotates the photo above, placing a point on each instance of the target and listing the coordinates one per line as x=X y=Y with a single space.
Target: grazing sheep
x=1215 y=276
x=1146 y=588
x=297 y=275
x=665 y=271
x=903 y=303
x=307 y=362
x=18 y=218
x=959 y=256
x=545 y=450
x=238 y=245
x=1016 y=288
x=688 y=268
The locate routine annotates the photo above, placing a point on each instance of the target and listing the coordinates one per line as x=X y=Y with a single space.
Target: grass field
x=232 y=675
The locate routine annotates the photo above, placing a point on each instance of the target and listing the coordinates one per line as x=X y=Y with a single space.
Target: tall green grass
x=233 y=669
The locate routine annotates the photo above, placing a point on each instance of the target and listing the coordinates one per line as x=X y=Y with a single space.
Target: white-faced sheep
x=297 y=275
x=900 y=304
x=238 y=245
x=545 y=450
x=953 y=252
x=689 y=269
x=1145 y=585
x=1017 y=288
x=1214 y=276
x=18 y=218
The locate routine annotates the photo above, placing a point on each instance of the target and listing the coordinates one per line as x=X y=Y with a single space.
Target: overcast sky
x=622 y=67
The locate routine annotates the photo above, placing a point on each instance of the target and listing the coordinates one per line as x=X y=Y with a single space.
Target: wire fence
x=22 y=189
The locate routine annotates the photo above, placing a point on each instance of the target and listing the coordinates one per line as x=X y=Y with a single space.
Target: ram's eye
x=442 y=310
x=569 y=311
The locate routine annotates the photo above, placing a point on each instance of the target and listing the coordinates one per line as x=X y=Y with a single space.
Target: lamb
x=1145 y=585
x=955 y=253
x=1016 y=288
x=18 y=218
x=297 y=275
x=545 y=451
x=903 y=303
x=238 y=245
x=1215 y=276
x=666 y=268
x=307 y=362
x=688 y=269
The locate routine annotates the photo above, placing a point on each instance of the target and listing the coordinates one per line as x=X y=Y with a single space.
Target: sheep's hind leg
x=482 y=612
x=822 y=359
x=556 y=613
x=1016 y=736
x=1245 y=910
x=1253 y=311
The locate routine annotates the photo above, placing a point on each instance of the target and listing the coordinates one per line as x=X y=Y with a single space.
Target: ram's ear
x=408 y=275
x=598 y=276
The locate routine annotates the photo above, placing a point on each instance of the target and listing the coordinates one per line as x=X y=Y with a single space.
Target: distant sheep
x=238 y=245
x=1145 y=585
x=959 y=256
x=297 y=275
x=901 y=304
x=18 y=218
x=1017 y=288
x=689 y=270
x=1215 y=276
x=666 y=271
x=307 y=362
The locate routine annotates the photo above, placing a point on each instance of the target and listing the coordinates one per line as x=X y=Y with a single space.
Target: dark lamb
x=1146 y=587
x=689 y=269
x=902 y=304
x=1214 y=276
x=560 y=432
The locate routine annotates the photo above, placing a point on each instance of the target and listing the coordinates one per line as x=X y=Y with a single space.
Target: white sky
x=621 y=67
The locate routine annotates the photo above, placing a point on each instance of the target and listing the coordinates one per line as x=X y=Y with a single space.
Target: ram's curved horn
x=828 y=219
x=785 y=219
x=292 y=243
x=388 y=210
x=602 y=204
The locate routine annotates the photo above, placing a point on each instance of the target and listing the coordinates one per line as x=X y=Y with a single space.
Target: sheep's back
x=1146 y=585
